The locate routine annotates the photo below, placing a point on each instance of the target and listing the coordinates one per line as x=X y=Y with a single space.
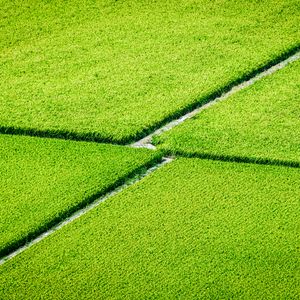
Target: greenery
x=43 y=181
x=260 y=123
x=194 y=228
x=113 y=70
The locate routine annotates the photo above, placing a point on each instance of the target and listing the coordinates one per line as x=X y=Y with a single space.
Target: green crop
x=260 y=123
x=43 y=181
x=114 y=70
x=192 y=229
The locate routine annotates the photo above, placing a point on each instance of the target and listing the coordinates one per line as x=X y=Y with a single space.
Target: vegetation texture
x=260 y=123
x=113 y=70
x=43 y=181
x=192 y=229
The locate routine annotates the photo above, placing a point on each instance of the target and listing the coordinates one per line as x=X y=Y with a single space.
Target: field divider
x=130 y=181
x=234 y=159
x=146 y=142
x=142 y=138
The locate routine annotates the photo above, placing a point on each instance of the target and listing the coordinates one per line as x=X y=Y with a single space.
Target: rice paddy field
x=194 y=228
x=44 y=180
x=211 y=210
x=113 y=70
x=260 y=123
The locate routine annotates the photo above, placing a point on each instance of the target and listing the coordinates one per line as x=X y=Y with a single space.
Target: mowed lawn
x=112 y=70
x=44 y=180
x=259 y=123
x=192 y=229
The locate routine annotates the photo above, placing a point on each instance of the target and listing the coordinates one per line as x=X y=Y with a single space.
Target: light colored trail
x=84 y=210
x=146 y=141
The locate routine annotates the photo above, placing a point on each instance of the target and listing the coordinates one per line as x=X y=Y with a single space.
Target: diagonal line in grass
x=259 y=124
x=93 y=202
x=146 y=142
x=143 y=138
x=193 y=229
x=77 y=70
x=45 y=181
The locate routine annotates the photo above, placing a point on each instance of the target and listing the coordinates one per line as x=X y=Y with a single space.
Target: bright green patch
x=259 y=123
x=43 y=181
x=192 y=229
x=113 y=70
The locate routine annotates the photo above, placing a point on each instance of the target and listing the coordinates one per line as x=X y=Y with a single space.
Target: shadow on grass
x=62 y=216
x=97 y=137
x=233 y=158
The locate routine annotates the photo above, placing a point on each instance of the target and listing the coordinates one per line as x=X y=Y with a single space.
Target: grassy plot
x=192 y=229
x=112 y=70
x=259 y=123
x=43 y=181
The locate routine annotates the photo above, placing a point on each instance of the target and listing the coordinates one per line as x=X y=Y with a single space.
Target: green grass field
x=259 y=123
x=105 y=72
x=113 y=70
x=43 y=181
x=192 y=229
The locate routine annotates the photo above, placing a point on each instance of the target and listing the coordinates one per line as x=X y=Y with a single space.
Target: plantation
x=210 y=210
x=260 y=123
x=43 y=181
x=194 y=228
x=112 y=71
